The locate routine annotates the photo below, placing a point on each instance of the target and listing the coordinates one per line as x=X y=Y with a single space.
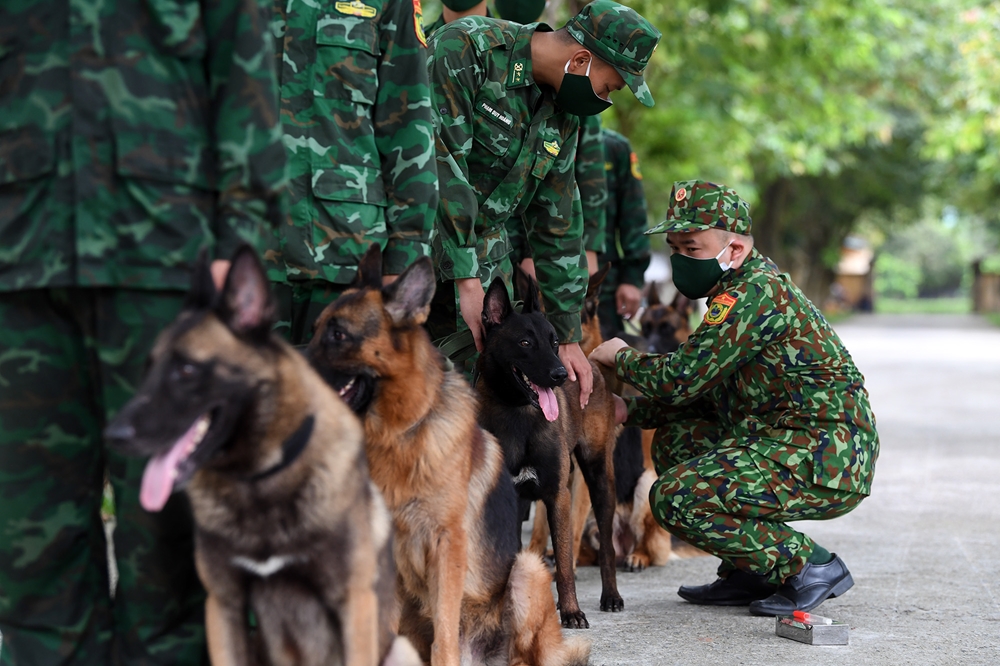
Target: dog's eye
x=186 y=371
x=337 y=335
x=525 y=343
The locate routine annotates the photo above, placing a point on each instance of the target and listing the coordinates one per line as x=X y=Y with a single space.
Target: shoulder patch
x=355 y=8
x=517 y=73
x=418 y=28
x=551 y=147
x=634 y=160
x=718 y=309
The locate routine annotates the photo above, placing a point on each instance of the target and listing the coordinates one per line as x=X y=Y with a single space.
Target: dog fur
x=287 y=521
x=467 y=595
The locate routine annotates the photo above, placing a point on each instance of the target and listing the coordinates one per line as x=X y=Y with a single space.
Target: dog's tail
x=536 y=635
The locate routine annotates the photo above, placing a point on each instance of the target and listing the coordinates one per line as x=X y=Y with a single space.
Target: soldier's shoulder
x=616 y=141
x=482 y=32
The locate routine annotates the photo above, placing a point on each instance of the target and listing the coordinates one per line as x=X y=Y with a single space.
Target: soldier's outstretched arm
x=404 y=136
x=249 y=153
x=744 y=323
x=454 y=70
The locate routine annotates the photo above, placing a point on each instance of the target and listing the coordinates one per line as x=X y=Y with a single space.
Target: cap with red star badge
x=696 y=205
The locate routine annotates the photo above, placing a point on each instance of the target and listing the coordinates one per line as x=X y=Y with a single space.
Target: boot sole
x=842 y=586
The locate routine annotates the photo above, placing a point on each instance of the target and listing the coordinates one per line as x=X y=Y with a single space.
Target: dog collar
x=291 y=448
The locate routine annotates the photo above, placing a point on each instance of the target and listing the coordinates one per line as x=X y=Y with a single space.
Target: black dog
x=539 y=424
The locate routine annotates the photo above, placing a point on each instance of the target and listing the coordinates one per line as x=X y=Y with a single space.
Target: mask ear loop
x=589 y=63
x=729 y=265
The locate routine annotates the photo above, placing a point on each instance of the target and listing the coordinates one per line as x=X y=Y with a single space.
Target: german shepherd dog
x=287 y=521
x=665 y=327
x=466 y=593
x=538 y=422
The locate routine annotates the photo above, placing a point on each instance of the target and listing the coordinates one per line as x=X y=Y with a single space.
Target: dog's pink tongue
x=158 y=479
x=547 y=401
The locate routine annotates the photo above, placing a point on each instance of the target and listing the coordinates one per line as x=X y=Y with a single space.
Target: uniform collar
x=519 y=73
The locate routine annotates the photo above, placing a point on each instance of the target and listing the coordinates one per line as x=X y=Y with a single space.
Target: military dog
x=665 y=327
x=287 y=521
x=467 y=594
x=538 y=422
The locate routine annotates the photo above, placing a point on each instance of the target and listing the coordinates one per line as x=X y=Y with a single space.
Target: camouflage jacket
x=504 y=150
x=627 y=245
x=775 y=376
x=359 y=133
x=132 y=134
x=590 y=178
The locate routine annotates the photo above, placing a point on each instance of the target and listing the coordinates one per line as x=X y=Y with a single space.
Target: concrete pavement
x=924 y=549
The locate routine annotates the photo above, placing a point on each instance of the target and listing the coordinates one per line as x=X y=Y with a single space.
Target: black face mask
x=576 y=94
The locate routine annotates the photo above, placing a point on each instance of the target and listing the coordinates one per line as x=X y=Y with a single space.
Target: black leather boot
x=738 y=589
x=807 y=589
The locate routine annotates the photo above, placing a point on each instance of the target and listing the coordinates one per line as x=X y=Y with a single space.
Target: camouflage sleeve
x=632 y=222
x=404 y=135
x=739 y=323
x=592 y=183
x=454 y=70
x=554 y=223
x=250 y=155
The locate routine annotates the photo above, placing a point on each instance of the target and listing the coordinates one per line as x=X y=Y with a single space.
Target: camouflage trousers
x=69 y=358
x=299 y=306
x=734 y=503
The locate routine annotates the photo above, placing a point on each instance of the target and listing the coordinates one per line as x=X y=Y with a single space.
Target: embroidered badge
x=551 y=147
x=680 y=194
x=418 y=28
x=608 y=166
x=356 y=8
x=499 y=117
x=517 y=73
x=634 y=159
x=719 y=309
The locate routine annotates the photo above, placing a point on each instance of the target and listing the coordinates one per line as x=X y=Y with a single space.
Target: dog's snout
x=558 y=375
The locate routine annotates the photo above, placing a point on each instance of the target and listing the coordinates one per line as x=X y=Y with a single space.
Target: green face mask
x=695 y=277
x=576 y=94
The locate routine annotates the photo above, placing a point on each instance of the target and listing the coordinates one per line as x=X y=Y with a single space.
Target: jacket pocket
x=347 y=54
x=346 y=182
x=488 y=123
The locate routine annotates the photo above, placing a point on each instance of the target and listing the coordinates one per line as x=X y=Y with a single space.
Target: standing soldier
x=507 y=98
x=627 y=245
x=456 y=9
x=761 y=416
x=359 y=133
x=134 y=134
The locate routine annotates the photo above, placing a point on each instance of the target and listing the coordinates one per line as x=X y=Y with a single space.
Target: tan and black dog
x=538 y=421
x=467 y=595
x=288 y=524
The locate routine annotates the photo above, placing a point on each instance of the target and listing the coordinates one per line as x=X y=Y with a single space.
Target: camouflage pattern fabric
x=132 y=135
x=696 y=205
x=359 y=132
x=504 y=150
x=626 y=245
x=69 y=359
x=772 y=380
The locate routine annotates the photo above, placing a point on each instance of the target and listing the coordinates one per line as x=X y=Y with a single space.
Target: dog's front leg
x=361 y=638
x=226 y=634
x=559 y=509
x=447 y=582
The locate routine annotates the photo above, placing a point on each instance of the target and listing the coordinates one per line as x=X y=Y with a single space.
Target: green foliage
x=895 y=277
x=950 y=305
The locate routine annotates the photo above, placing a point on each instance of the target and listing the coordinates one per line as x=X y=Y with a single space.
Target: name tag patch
x=497 y=116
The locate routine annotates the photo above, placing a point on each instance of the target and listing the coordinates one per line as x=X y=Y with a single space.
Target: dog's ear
x=682 y=304
x=596 y=280
x=653 y=296
x=203 y=293
x=369 y=269
x=496 y=304
x=408 y=299
x=527 y=289
x=247 y=306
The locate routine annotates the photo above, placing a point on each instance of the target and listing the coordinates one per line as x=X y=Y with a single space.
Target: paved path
x=924 y=549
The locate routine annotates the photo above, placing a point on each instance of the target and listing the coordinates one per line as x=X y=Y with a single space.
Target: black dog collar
x=290 y=449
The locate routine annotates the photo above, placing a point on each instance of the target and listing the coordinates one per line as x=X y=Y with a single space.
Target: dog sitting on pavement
x=467 y=594
x=288 y=524
x=539 y=423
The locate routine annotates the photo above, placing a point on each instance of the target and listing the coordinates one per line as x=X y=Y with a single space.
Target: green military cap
x=696 y=205
x=619 y=36
x=520 y=11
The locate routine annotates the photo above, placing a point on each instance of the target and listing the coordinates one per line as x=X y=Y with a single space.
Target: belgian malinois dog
x=287 y=521
x=665 y=326
x=537 y=419
x=467 y=594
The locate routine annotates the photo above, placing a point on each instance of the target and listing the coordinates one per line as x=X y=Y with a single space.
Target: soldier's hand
x=591 y=262
x=470 y=303
x=219 y=269
x=388 y=279
x=621 y=410
x=605 y=352
x=628 y=298
x=578 y=368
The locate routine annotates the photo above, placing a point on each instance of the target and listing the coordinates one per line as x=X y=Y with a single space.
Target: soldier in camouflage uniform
x=506 y=148
x=456 y=9
x=359 y=133
x=133 y=135
x=762 y=417
x=626 y=244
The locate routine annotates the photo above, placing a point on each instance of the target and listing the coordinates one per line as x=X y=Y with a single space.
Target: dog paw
x=577 y=620
x=636 y=562
x=612 y=603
